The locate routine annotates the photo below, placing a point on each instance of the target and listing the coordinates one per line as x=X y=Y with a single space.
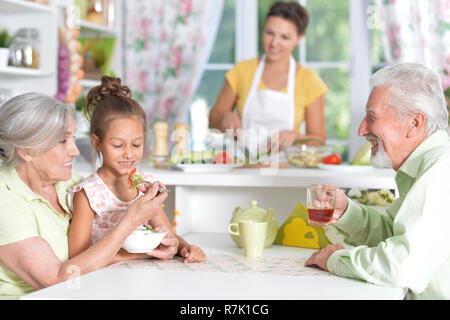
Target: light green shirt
x=24 y=214
x=409 y=245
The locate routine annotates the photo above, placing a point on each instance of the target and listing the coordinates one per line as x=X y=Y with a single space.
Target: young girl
x=118 y=128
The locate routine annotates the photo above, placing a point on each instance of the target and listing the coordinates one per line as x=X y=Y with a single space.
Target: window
x=326 y=49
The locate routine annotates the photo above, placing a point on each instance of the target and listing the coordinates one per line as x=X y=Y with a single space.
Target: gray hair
x=31 y=121
x=413 y=88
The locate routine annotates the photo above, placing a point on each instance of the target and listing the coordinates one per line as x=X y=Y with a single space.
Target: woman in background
x=274 y=91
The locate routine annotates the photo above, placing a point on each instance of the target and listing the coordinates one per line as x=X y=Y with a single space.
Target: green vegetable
x=362 y=157
x=302 y=141
x=193 y=157
x=135 y=179
x=147 y=227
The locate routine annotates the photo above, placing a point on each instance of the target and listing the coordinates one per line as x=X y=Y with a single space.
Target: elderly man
x=409 y=246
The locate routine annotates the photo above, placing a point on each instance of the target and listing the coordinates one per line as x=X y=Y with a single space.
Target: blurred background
x=173 y=54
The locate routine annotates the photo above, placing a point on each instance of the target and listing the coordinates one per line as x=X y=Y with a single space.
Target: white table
x=119 y=281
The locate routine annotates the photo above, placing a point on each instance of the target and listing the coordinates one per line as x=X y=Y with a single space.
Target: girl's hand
x=192 y=254
x=144 y=187
x=147 y=206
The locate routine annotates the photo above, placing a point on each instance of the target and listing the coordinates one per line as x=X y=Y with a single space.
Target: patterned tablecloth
x=231 y=264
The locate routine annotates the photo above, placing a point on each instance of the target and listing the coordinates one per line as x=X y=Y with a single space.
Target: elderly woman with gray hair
x=37 y=149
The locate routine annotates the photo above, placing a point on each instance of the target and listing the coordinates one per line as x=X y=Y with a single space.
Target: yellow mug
x=253 y=235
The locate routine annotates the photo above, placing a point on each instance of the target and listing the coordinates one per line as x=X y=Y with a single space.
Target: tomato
x=130 y=182
x=223 y=158
x=332 y=159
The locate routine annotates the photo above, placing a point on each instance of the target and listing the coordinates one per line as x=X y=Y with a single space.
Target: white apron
x=266 y=112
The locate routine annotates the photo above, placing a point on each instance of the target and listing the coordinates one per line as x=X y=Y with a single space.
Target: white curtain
x=418 y=31
x=167 y=44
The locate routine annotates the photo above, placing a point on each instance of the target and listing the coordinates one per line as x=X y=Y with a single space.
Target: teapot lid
x=254 y=208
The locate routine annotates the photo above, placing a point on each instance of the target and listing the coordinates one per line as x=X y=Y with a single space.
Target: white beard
x=380 y=159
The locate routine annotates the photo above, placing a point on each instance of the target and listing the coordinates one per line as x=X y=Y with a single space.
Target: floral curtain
x=418 y=31
x=166 y=46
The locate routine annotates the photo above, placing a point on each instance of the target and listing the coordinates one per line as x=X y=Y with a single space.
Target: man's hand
x=340 y=206
x=320 y=258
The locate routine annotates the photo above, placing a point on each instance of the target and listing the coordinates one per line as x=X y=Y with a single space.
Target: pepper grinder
x=181 y=135
x=160 y=152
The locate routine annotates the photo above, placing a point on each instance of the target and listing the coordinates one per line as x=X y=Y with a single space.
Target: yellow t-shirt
x=23 y=215
x=308 y=87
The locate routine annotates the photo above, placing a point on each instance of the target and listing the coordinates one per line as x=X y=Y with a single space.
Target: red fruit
x=223 y=158
x=130 y=182
x=332 y=159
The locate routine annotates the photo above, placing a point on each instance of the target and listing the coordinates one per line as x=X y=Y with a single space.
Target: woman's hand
x=167 y=248
x=283 y=140
x=230 y=121
x=192 y=253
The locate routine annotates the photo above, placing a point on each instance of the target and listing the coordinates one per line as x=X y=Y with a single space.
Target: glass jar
x=100 y=12
x=24 y=51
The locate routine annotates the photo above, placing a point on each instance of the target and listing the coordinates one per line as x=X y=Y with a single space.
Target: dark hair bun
x=109 y=87
x=113 y=86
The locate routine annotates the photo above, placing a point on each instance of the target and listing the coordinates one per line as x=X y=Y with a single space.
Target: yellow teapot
x=255 y=214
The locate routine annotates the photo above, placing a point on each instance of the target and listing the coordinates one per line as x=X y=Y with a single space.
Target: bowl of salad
x=304 y=156
x=144 y=239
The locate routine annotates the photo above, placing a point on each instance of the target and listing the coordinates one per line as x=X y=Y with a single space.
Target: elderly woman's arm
x=34 y=261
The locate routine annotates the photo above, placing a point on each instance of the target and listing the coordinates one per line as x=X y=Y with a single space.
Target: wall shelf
x=17 y=14
x=96 y=29
x=21 y=7
x=19 y=72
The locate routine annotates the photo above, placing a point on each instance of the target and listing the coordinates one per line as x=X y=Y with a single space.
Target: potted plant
x=5 y=42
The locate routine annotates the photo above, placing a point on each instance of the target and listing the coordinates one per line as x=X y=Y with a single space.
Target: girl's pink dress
x=108 y=208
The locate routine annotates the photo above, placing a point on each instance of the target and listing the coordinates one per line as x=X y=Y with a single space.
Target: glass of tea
x=321 y=200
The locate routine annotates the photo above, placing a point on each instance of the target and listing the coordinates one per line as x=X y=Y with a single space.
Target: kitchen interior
x=62 y=48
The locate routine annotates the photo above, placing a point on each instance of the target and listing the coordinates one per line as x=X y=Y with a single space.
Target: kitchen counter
x=227 y=275
x=206 y=200
x=266 y=177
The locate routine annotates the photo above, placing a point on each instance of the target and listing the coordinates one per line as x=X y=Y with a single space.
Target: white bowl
x=143 y=241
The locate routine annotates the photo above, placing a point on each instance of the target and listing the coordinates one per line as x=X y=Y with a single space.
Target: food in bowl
x=143 y=240
x=304 y=156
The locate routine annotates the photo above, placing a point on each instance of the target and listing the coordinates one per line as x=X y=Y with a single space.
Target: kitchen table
x=227 y=275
